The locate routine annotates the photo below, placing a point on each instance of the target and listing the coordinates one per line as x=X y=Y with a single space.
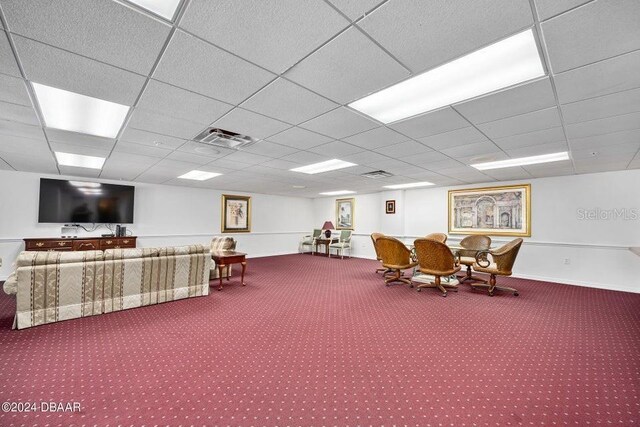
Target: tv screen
x=85 y=202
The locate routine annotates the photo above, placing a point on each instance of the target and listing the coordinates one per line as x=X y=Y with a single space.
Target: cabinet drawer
x=86 y=245
x=127 y=242
x=117 y=243
x=36 y=245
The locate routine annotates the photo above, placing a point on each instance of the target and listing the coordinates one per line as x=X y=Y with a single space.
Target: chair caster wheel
x=515 y=294
x=490 y=294
x=419 y=289
x=411 y=286
x=444 y=295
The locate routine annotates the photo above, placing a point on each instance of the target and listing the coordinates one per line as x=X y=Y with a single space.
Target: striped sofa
x=54 y=286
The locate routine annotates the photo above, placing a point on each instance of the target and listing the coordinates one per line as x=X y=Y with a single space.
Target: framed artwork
x=236 y=214
x=500 y=211
x=390 y=206
x=345 y=211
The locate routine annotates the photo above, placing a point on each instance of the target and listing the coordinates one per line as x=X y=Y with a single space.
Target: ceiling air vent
x=223 y=138
x=377 y=174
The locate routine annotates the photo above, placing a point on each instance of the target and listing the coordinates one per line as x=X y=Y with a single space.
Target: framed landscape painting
x=236 y=214
x=345 y=211
x=499 y=211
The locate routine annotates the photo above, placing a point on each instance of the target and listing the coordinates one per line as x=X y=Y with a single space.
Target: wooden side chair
x=503 y=259
x=310 y=240
x=435 y=258
x=396 y=257
x=438 y=237
x=344 y=242
x=470 y=247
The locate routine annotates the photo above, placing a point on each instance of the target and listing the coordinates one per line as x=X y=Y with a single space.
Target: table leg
x=228 y=272
x=244 y=267
x=220 y=270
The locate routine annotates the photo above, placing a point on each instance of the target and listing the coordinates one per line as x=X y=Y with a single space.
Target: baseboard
x=608 y=287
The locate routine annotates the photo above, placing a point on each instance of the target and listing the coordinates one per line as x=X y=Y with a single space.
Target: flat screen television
x=81 y=202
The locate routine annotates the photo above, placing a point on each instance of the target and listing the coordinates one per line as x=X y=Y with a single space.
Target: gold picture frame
x=496 y=211
x=345 y=214
x=236 y=214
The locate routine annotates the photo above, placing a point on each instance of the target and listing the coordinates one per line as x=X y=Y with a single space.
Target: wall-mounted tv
x=81 y=202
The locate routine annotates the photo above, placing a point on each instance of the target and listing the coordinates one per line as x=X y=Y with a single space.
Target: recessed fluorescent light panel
x=523 y=161
x=164 y=8
x=79 y=161
x=79 y=113
x=327 y=166
x=505 y=63
x=337 y=193
x=409 y=185
x=199 y=175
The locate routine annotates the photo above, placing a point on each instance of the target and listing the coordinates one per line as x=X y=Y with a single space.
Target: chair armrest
x=482 y=259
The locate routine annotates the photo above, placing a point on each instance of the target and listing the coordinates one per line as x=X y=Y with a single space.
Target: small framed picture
x=236 y=214
x=390 y=206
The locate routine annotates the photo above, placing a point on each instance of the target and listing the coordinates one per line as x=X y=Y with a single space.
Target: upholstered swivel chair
x=344 y=242
x=503 y=259
x=374 y=237
x=310 y=240
x=396 y=257
x=438 y=237
x=435 y=258
x=470 y=247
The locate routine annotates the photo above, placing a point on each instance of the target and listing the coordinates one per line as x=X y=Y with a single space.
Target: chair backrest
x=345 y=235
x=434 y=255
x=392 y=251
x=316 y=233
x=374 y=237
x=438 y=237
x=505 y=256
x=474 y=243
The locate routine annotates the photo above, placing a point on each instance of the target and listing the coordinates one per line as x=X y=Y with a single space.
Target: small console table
x=79 y=244
x=225 y=258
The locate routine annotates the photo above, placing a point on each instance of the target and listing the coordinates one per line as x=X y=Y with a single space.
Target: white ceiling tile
x=274 y=35
x=288 y=102
x=393 y=166
x=403 y=149
x=83 y=150
x=454 y=138
x=603 y=141
x=153 y=178
x=354 y=9
x=602 y=78
x=604 y=126
x=8 y=63
x=596 y=31
x=432 y=123
x=21 y=129
x=18 y=113
x=13 y=90
x=423 y=34
x=64 y=70
x=118 y=170
x=347 y=68
x=205 y=150
x=30 y=163
x=376 y=138
x=599 y=166
x=425 y=158
x=365 y=157
x=102 y=30
x=524 y=123
x=536 y=150
x=601 y=107
x=470 y=150
x=340 y=123
x=616 y=151
x=307 y=158
x=127 y=158
x=153 y=122
x=248 y=158
x=151 y=138
x=194 y=159
x=224 y=163
x=20 y=145
x=548 y=8
x=175 y=102
x=508 y=174
x=251 y=124
x=336 y=149
x=5 y=166
x=141 y=149
x=299 y=138
x=200 y=67
x=270 y=149
x=509 y=102
x=281 y=164
x=550 y=169
x=75 y=138
x=170 y=167
x=544 y=136
x=84 y=172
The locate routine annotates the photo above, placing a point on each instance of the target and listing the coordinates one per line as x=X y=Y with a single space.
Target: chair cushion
x=440 y=273
x=491 y=269
x=467 y=260
x=340 y=245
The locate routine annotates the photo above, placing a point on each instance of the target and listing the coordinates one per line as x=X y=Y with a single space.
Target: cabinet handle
x=125 y=241
x=39 y=244
x=116 y=247
x=109 y=242
x=62 y=243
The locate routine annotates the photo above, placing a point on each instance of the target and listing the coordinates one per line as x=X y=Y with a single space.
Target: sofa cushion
x=113 y=254
x=32 y=258
x=183 y=250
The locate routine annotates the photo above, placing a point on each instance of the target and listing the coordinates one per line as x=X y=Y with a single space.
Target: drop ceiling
x=284 y=72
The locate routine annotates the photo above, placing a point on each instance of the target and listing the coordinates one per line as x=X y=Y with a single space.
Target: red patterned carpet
x=318 y=342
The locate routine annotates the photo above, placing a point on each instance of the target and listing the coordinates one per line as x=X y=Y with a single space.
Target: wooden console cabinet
x=79 y=244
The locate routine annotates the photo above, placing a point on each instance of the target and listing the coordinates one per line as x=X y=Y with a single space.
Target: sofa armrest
x=10 y=286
